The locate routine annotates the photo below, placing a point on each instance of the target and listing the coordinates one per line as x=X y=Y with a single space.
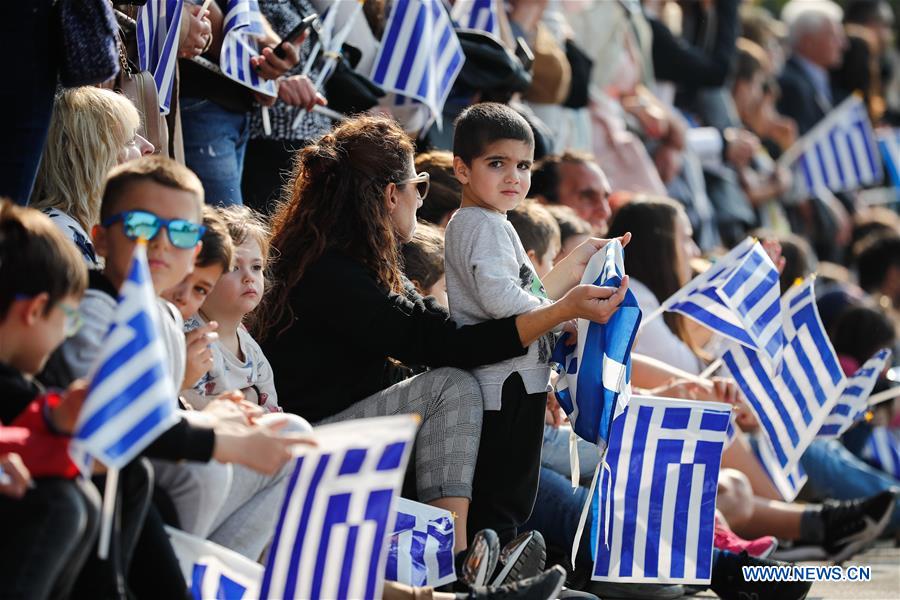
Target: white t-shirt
x=656 y=340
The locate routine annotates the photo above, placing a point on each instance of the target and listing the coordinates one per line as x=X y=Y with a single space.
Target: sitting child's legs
x=197 y=490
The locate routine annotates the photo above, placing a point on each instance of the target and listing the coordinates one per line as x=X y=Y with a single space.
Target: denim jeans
x=555 y=453
x=556 y=513
x=215 y=140
x=834 y=472
x=26 y=97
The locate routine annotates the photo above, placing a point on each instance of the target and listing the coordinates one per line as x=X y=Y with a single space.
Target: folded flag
x=654 y=512
x=477 y=14
x=213 y=571
x=331 y=536
x=419 y=56
x=739 y=298
x=853 y=404
x=243 y=24
x=420 y=551
x=882 y=450
x=595 y=373
x=158 y=32
x=839 y=154
x=131 y=399
x=792 y=404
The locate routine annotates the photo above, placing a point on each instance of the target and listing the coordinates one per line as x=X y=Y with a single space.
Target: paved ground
x=885 y=584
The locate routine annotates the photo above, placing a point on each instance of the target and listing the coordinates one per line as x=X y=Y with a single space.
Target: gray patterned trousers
x=449 y=402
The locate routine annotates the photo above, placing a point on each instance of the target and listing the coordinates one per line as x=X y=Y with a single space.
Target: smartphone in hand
x=296 y=33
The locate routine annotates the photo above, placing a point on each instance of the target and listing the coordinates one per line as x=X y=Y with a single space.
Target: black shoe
x=481 y=560
x=729 y=584
x=544 y=586
x=852 y=525
x=522 y=558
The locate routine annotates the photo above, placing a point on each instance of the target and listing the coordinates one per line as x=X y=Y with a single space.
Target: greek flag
x=788 y=483
x=158 y=32
x=853 y=404
x=883 y=450
x=243 y=23
x=889 y=145
x=420 y=551
x=659 y=500
x=331 y=537
x=213 y=571
x=131 y=398
x=477 y=14
x=595 y=373
x=792 y=404
x=838 y=154
x=419 y=56
x=738 y=297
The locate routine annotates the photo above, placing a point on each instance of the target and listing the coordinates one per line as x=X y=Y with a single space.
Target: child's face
x=45 y=331
x=239 y=291
x=193 y=290
x=500 y=178
x=168 y=264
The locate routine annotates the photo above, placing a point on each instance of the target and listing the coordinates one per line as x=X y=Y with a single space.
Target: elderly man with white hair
x=817 y=44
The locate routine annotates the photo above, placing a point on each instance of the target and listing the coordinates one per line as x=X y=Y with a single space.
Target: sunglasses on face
x=73 y=317
x=142 y=224
x=422 y=181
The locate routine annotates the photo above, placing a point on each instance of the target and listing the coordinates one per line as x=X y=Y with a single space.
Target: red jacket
x=45 y=453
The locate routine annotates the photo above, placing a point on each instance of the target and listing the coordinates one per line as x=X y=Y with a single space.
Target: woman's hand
x=198 y=30
x=269 y=66
x=14 y=476
x=568 y=272
x=261 y=448
x=594 y=303
x=298 y=90
x=553 y=415
x=199 y=353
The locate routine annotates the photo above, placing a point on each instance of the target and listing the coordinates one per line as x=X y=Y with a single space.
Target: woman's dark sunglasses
x=142 y=224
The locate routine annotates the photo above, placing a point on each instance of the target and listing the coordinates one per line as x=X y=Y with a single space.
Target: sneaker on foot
x=522 y=558
x=481 y=560
x=850 y=526
x=725 y=539
x=642 y=591
x=729 y=584
x=543 y=586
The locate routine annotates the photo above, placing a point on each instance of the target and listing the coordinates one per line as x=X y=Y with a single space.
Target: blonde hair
x=88 y=129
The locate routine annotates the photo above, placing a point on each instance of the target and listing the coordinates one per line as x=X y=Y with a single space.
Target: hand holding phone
x=296 y=34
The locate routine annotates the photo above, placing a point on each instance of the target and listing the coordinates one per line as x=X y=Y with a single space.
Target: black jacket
x=800 y=99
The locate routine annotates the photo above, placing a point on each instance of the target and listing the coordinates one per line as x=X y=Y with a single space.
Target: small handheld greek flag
x=331 y=537
x=477 y=14
x=158 y=33
x=595 y=373
x=131 y=399
x=420 y=551
x=882 y=450
x=213 y=571
x=419 y=56
x=788 y=483
x=792 y=404
x=889 y=145
x=654 y=512
x=853 y=404
x=243 y=23
x=839 y=154
x=738 y=297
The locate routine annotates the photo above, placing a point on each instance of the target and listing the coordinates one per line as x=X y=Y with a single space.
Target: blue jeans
x=555 y=453
x=834 y=472
x=215 y=140
x=556 y=513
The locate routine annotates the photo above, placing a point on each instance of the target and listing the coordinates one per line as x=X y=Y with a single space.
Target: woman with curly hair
x=340 y=314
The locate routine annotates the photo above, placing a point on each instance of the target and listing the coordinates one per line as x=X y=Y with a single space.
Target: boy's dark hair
x=445 y=192
x=865 y=12
x=423 y=256
x=872 y=220
x=545 y=176
x=877 y=253
x=751 y=58
x=157 y=169
x=217 y=247
x=484 y=124
x=570 y=224
x=861 y=331
x=36 y=257
x=536 y=227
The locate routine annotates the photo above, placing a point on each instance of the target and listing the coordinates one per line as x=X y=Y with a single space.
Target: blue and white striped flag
x=213 y=571
x=331 y=537
x=657 y=526
x=853 y=401
x=421 y=548
x=882 y=450
x=792 y=404
x=243 y=23
x=788 y=483
x=838 y=154
x=419 y=56
x=595 y=373
x=738 y=297
x=131 y=398
x=158 y=33
x=889 y=145
x=477 y=14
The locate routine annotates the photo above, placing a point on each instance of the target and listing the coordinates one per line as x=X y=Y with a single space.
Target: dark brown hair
x=337 y=202
x=35 y=258
x=158 y=169
x=485 y=123
x=545 y=176
x=217 y=248
x=536 y=227
x=570 y=224
x=423 y=257
x=445 y=193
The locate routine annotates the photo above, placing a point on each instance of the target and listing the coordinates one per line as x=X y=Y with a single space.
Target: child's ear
x=197 y=249
x=35 y=308
x=461 y=170
x=98 y=234
x=532 y=256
